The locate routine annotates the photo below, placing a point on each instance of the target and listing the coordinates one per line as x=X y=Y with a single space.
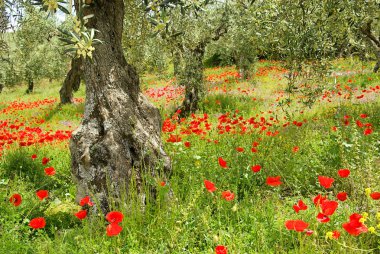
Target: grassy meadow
x=267 y=157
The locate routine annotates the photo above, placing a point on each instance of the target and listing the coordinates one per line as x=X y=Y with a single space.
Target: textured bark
x=71 y=82
x=120 y=134
x=244 y=67
x=191 y=77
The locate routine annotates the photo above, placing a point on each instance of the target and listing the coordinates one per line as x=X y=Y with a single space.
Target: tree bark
x=120 y=134
x=176 y=62
x=191 y=77
x=71 y=82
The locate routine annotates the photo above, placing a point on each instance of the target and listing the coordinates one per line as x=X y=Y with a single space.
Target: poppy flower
x=15 y=199
x=273 y=181
x=329 y=207
x=297 y=225
x=50 y=171
x=210 y=186
x=187 y=144
x=34 y=156
x=295 y=149
x=319 y=199
x=368 y=131
x=86 y=201
x=323 y=218
x=309 y=232
x=363 y=116
x=300 y=206
x=174 y=138
x=162 y=184
x=114 y=217
x=42 y=194
x=256 y=168
x=355 y=227
x=113 y=229
x=220 y=249
x=240 y=149
x=343 y=173
x=222 y=162
x=37 y=223
x=228 y=195
x=336 y=234
x=342 y=196
x=45 y=160
x=375 y=195
x=81 y=214
x=325 y=181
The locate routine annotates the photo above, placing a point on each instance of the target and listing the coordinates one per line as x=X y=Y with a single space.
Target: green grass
x=192 y=220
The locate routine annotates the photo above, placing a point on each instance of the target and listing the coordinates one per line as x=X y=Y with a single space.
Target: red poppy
x=114 y=217
x=295 y=149
x=363 y=115
x=220 y=249
x=15 y=199
x=355 y=227
x=42 y=194
x=300 y=206
x=323 y=218
x=329 y=207
x=222 y=162
x=240 y=149
x=336 y=234
x=368 y=131
x=256 y=168
x=341 y=196
x=50 y=171
x=37 y=223
x=318 y=200
x=174 y=138
x=81 y=214
x=187 y=144
x=45 y=160
x=228 y=195
x=375 y=195
x=274 y=181
x=210 y=186
x=34 y=156
x=113 y=229
x=162 y=184
x=86 y=201
x=343 y=173
x=325 y=181
x=309 y=232
x=297 y=225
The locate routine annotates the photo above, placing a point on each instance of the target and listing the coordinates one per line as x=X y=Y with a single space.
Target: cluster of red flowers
x=16 y=198
x=327 y=208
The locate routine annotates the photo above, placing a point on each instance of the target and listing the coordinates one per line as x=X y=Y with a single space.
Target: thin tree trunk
x=377 y=65
x=30 y=86
x=71 y=82
x=120 y=134
x=176 y=63
x=191 y=77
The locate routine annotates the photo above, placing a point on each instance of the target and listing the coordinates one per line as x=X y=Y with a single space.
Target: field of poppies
x=249 y=175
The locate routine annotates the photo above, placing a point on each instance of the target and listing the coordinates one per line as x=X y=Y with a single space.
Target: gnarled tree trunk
x=120 y=134
x=191 y=77
x=71 y=82
x=375 y=41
